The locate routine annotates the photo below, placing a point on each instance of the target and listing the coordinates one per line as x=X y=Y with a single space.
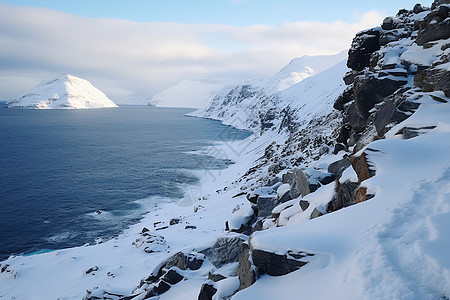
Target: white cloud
x=124 y=57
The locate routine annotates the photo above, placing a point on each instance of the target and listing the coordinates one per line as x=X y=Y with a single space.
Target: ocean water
x=58 y=167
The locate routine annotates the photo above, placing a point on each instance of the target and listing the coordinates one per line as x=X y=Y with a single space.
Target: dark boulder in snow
x=207 y=291
x=265 y=205
x=338 y=167
x=365 y=43
x=224 y=251
x=276 y=264
x=345 y=196
x=434 y=31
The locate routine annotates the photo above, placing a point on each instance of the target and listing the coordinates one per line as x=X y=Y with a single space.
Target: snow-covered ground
x=63 y=92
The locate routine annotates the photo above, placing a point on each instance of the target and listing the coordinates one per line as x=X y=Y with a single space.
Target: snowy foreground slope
x=63 y=92
x=350 y=202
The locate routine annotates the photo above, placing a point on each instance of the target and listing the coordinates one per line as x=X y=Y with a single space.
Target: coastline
x=120 y=264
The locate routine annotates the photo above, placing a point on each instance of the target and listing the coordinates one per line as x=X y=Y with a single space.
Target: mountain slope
x=192 y=93
x=63 y=92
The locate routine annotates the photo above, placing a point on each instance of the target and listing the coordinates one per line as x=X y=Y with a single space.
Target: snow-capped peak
x=65 y=91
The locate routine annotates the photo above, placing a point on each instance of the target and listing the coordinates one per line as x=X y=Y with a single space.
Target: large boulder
x=207 y=291
x=363 y=45
x=276 y=264
x=345 y=196
x=434 y=79
x=338 y=167
x=225 y=250
x=434 y=31
x=265 y=205
x=299 y=185
x=245 y=270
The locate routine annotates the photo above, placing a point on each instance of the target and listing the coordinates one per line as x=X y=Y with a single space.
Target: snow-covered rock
x=191 y=93
x=64 y=92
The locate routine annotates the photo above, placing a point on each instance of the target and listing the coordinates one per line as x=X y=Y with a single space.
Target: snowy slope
x=250 y=104
x=192 y=93
x=63 y=92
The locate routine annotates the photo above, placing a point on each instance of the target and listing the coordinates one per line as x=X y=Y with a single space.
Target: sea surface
x=70 y=176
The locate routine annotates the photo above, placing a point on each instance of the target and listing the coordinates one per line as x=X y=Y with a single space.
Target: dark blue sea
x=58 y=167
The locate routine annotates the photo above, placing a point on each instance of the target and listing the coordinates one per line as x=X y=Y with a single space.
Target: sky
x=133 y=49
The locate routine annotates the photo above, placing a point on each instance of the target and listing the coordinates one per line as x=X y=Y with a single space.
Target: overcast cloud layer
x=125 y=58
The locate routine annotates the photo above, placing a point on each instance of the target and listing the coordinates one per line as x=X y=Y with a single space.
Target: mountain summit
x=63 y=92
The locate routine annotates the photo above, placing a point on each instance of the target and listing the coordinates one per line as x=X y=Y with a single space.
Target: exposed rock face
x=245 y=270
x=277 y=265
x=345 y=196
x=363 y=45
x=361 y=167
x=224 y=251
x=207 y=291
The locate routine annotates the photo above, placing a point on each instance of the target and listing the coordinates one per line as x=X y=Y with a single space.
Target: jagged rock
x=299 y=185
x=365 y=43
x=344 y=98
x=245 y=270
x=345 y=196
x=304 y=205
x=349 y=77
x=411 y=132
x=215 y=277
x=370 y=91
x=207 y=292
x=172 y=276
x=361 y=195
x=434 y=31
x=316 y=213
x=174 y=221
x=182 y=261
x=418 y=8
x=434 y=79
x=265 y=205
x=276 y=264
x=436 y=3
x=361 y=167
x=389 y=23
x=338 y=167
x=225 y=250
x=339 y=147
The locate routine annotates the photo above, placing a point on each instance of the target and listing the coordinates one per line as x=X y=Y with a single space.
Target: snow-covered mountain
x=191 y=93
x=63 y=92
x=258 y=104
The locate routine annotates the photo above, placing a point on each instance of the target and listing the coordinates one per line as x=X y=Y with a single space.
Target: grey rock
x=363 y=45
x=339 y=147
x=345 y=196
x=338 y=167
x=418 y=8
x=207 y=292
x=172 y=277
x=245 y=270
x=225 y=250
x=433 y=32
x=265 y=205
x=304 y=205
x=215 y=277
x=277 y=265
x=315 y=213
x=299 y=185
x=174 y=221
x=389 y=23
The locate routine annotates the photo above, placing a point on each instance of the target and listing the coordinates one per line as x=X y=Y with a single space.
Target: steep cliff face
x=407 y=55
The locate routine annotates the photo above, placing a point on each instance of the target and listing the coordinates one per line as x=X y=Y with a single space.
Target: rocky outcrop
x=276 y=264
x=224 y=251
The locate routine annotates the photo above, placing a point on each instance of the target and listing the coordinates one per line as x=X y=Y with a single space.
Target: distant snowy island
x=64 y=92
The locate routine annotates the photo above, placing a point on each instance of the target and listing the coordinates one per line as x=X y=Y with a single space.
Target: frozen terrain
x=63 y=92
x=342 y=192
